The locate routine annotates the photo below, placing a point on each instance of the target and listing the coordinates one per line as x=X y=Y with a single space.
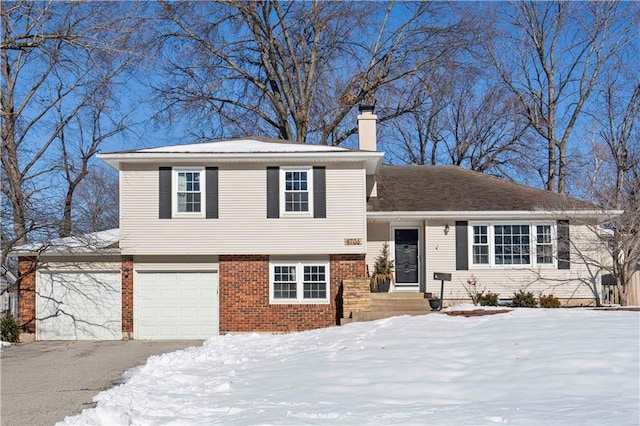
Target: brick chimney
x=367 y=139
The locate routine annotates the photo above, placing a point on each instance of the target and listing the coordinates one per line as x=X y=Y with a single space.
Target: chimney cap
x=366 y=108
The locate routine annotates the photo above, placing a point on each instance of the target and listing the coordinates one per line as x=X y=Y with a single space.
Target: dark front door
x=406 y=253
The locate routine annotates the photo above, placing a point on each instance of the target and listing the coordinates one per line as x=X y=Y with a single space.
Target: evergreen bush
x=382 y=271
x=524 y=300
x=9 y=329
x=488 y=299
x=549 y=301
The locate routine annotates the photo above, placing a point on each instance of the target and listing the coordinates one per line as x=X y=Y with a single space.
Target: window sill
x=296 y=215
x=503 y=267
x=299 y=302
x=188 y=216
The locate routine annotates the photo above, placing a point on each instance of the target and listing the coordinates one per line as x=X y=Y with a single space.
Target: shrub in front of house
x=524 y=300
x=9 y=329
x=488 y=299
x=474 y=291
x=549 y=301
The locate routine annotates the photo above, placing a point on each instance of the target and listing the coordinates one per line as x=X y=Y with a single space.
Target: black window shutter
x=164 y=205
x=462 y=246
x=564 y=245
x=319 y=192
x=212 y=193
x=273 y=192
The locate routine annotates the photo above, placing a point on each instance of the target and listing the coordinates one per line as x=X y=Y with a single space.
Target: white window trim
x=174 y=192
x=299 y=300
x=532 y=239
x=283 y=210
x=489 y=243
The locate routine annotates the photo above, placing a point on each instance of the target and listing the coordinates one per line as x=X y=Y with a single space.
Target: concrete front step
x=385 y=305
x=397 y=295
x=375 y=315
x=399 y=302
x=399 y=305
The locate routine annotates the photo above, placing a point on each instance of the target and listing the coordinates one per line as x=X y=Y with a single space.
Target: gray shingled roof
x=451 y=188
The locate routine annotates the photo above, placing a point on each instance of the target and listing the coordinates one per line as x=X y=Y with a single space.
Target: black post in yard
x=442 y=277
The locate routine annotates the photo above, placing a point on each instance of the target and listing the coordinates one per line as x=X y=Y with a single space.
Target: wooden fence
x=610 y=294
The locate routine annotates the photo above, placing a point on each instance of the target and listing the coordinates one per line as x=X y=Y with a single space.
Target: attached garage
x=78 y=305
x=175 y=305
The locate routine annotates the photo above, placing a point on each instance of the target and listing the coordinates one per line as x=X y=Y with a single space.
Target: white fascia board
x=371 y=159
x=514 y=214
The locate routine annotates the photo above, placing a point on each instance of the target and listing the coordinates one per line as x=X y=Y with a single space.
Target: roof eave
x=371 y=159
x=493 y=214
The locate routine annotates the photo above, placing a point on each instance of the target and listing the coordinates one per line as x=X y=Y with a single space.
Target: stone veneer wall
x=244 y=296
x=356 y=296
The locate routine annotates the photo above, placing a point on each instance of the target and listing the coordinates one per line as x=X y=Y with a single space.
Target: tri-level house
x=265 y=235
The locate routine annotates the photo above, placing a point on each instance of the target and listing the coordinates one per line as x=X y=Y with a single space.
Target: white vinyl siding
x=377 y=234
x=242 y=216
x=440 y=256
x=175 y=263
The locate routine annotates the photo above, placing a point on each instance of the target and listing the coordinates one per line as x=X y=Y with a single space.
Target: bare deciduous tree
x=296 y=70
x=485 y=130
x=58 y=63
x=551 y=56
x=616 y=179
x=96 y=206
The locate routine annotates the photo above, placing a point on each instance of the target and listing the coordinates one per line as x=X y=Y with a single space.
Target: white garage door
x=79 y=306
x=175 y=305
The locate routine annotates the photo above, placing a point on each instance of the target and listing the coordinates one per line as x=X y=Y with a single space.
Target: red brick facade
x=27 y=297
x=244 y=296
x=127 y=295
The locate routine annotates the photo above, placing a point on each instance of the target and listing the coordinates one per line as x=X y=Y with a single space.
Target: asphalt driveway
x=43 y=382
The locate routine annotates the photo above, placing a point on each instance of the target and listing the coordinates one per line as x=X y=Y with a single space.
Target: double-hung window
x=188 y=192
x=544 y=245
x=480 y=244
x=512 y=244
x=297 y=191
x=299 y=282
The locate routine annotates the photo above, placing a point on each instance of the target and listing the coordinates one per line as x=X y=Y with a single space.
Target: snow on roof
x=102 y=241
x=243 y=146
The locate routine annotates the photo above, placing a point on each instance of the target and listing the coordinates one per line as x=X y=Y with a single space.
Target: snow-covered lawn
x=529 y=366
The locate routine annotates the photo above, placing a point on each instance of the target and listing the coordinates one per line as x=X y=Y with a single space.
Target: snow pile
x=529 y=366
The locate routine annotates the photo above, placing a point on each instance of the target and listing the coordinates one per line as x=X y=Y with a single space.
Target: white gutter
x=490 y=214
